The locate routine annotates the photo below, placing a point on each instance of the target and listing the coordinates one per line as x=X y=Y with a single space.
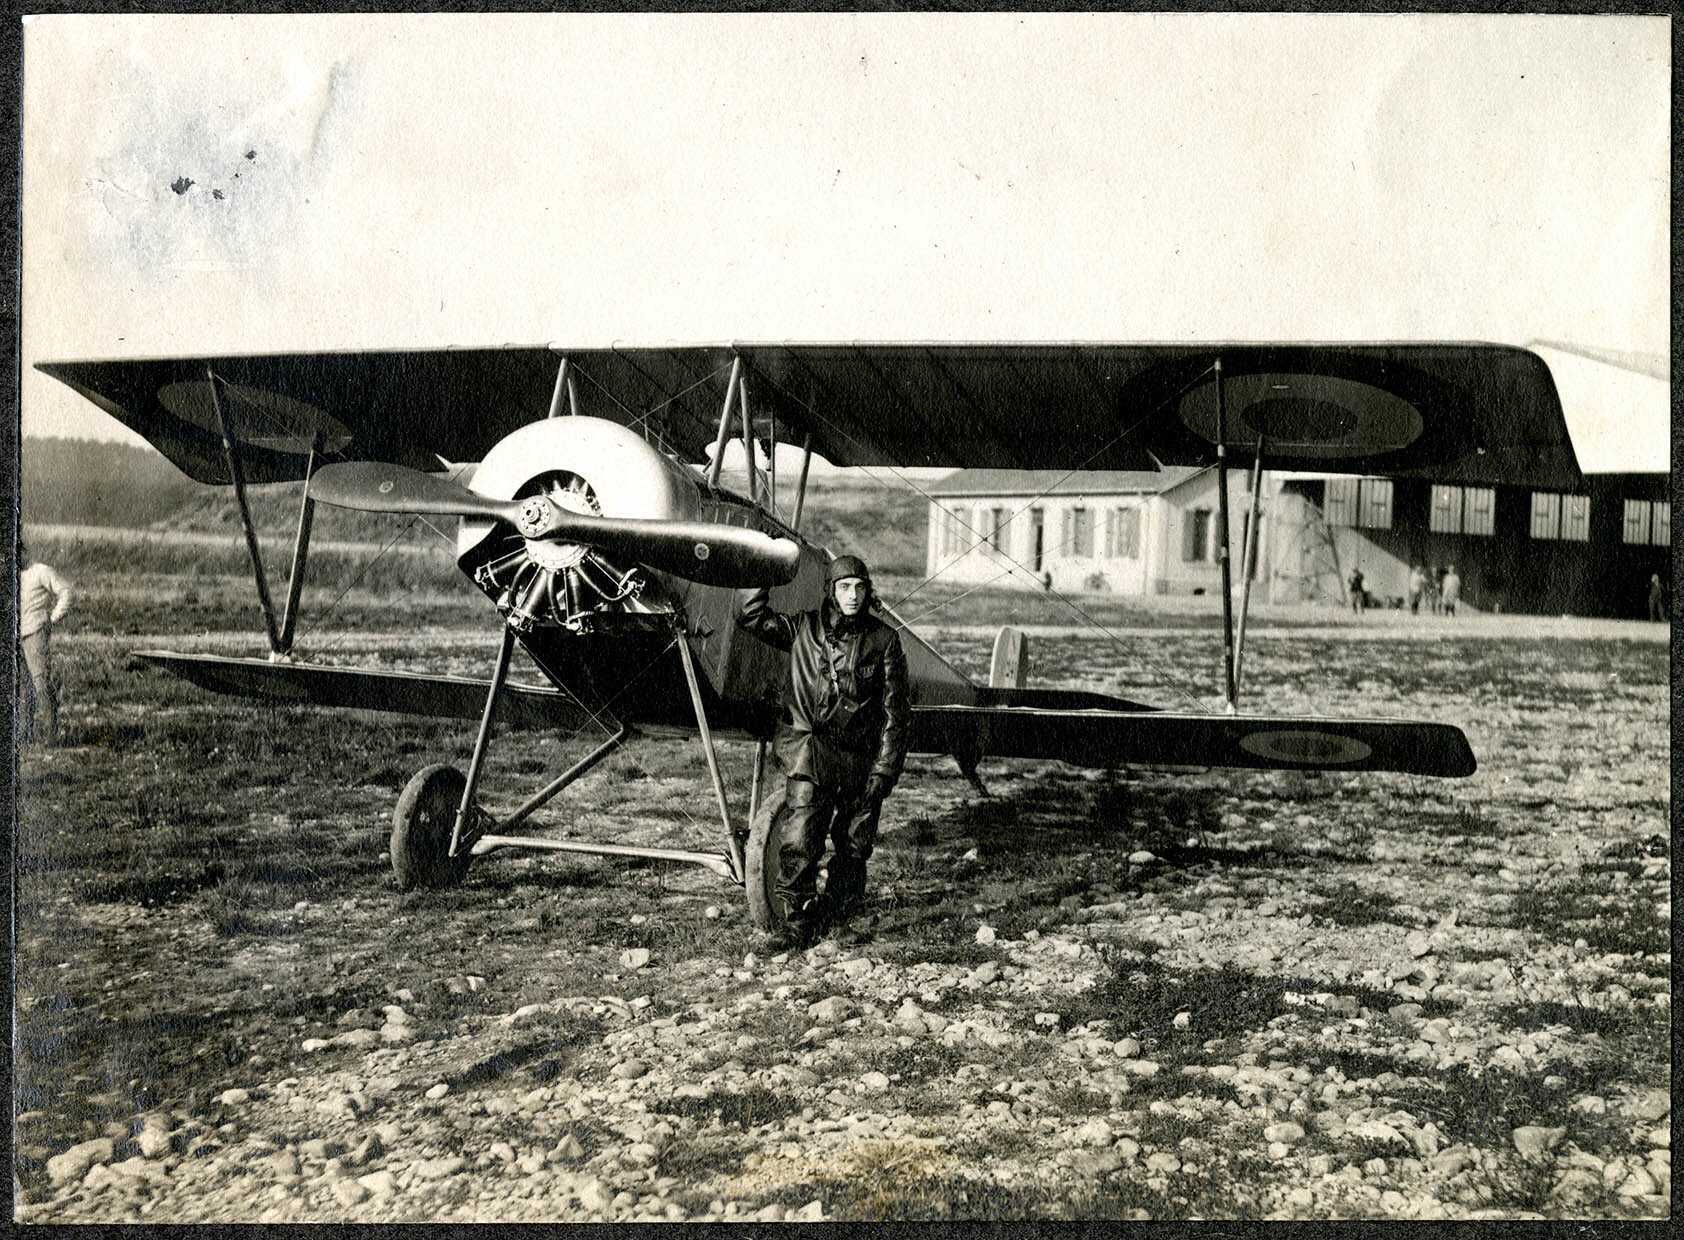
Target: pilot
x=840 y=745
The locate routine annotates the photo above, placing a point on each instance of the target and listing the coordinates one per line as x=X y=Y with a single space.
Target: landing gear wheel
x=761 y=866
x=421 y=825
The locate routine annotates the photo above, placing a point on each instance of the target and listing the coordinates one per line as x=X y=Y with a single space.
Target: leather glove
x=876 y=790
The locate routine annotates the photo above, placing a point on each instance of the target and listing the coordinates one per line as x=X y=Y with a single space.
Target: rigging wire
x=1193 y=699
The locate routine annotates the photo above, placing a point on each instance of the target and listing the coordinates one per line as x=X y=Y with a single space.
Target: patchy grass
x=1606 y=918
x=748 y=1108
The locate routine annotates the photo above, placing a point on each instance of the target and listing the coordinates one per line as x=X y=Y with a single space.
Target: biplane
x=586 y=483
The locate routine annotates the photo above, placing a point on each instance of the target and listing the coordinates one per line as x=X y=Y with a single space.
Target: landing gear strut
x=438 y=827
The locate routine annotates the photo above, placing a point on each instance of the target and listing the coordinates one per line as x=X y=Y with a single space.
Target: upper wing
x=1456 y=412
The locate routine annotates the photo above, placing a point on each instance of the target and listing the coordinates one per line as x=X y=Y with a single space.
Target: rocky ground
x=1123 y=995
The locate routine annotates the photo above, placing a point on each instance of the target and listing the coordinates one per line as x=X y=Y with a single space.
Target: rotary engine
x=587 y=466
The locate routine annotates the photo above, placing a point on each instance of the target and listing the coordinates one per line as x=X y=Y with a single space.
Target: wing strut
x=725 y=422
x=1248 y=559
x=280 y=634
x=564 y=386
x=1222 y=543
x=300 y=550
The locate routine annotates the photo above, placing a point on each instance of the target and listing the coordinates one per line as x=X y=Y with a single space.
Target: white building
x=1152 y=532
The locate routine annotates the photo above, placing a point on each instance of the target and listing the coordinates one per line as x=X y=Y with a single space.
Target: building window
x=1462 y=510
x=1648 y=522
x=997 y=528
x=1078 y=533
x=1122 y=533
x=1575 y=518
x=1081 y=533
x=1637 y=521
x=1560 y=516
x=1340 y=505
x=962 y=531
x=953 y=530
x=1195 y=535
x=1037 y=534
x=1446 y=515
x=1365 y=502
x=1376 y=503
x=1479 y=510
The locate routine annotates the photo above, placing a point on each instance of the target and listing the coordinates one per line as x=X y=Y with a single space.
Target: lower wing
x=1092 y=736
x=1105 y=738
x=410 y=693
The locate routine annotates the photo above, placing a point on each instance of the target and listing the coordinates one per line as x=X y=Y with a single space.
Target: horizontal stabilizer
x=1108 y=738
x=310 y=684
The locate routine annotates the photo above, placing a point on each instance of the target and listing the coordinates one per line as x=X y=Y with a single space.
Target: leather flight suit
x=841 y=743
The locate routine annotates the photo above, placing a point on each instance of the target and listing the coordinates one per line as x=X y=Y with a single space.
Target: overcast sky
x=406 y=181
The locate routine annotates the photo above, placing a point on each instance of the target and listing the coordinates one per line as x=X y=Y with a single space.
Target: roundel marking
x=703 y=551
x=1306 y=748
x=386 y=487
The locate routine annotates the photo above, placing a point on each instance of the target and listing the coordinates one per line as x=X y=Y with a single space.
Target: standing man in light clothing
x=43 y=599
x=1450 y=590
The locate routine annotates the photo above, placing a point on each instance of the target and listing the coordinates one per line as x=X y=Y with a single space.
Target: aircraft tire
x=421 y=823
x=760 y=865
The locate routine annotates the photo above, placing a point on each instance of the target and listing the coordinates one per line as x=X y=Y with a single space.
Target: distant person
x=1450 y=590
x=1657 y=597
x=43 y=600
x=1417 y=587
x=1358 y=599
x=840 y=745
x=1435 y=588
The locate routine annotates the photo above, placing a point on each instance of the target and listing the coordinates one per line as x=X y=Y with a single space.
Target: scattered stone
x=1126 y=1048
x=437 y=1091
x=76 y=1161
x=832 y=1011
x=874 y=1082
x=284 y=1163
x=350 y=1192
x=1535 y=1142
x=1287 y=1133
x=1651 y=1104
x=378 y=1183
x=595 y=1197
x=986 y=972
x=440 y=1168
x=1162 y=1163
x=311 y=1045
x=985 y=935
x=234 y=1097
x=1142 y=857
x=629 y=1070
x=634 y=958
x=1094 y=1132
x=855 y=968
x=567 y=1149
x=1638 y=1184
x=711 y=912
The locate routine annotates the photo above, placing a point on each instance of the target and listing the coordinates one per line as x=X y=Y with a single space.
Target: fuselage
x=603 y=630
